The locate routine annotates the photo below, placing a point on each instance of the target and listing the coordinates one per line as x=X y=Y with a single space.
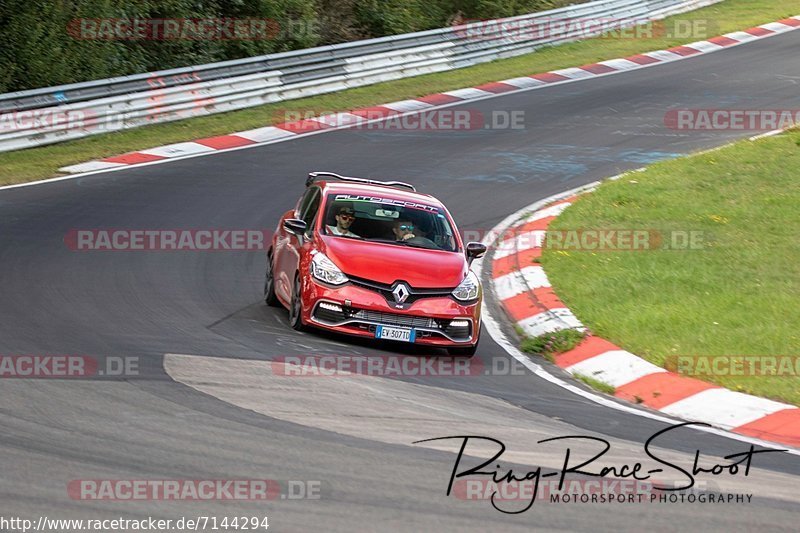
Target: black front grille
x=386 y=290
x=391 y=319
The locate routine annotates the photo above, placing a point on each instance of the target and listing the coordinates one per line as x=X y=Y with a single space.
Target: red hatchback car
x=375 y=259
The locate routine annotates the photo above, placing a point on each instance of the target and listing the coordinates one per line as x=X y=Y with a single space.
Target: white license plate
x=395 y=334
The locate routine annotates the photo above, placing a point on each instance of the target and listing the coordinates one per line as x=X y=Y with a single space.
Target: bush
x=41 y=48
x=42 y=45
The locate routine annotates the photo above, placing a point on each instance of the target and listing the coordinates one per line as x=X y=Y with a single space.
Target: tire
x=295 y=307
x=269 y=286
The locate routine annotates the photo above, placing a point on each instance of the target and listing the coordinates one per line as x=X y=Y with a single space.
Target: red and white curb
x=525 y=293
x=290 y=130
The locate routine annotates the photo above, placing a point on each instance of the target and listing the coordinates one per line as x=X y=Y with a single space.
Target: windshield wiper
x=405 y=243
x=377 y=239
x=418 y=245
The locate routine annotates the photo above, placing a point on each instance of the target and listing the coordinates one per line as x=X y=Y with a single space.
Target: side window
x=302 y=205
x=309 y=214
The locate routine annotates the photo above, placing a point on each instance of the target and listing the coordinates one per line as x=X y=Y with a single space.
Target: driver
x=403 y=230
x=344 y=219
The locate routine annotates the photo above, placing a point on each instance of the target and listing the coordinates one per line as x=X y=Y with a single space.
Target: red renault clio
x=375 y=259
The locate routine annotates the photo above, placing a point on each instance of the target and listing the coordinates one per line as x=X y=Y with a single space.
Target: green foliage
x=485 y=9
x=42 y=44
x=388 y=17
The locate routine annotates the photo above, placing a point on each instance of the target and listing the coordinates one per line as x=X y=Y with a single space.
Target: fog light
x=459 y=323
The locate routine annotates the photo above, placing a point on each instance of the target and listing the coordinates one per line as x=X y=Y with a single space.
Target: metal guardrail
x=55 y=114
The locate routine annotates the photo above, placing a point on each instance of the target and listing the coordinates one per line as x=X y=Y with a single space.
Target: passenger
x=344 y=219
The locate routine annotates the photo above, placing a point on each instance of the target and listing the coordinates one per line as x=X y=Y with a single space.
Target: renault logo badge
x=401 y=293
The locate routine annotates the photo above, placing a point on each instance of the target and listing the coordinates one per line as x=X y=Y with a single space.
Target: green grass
x=550 y=344
x=737 y=294
x=37 y=163
x=595 y=384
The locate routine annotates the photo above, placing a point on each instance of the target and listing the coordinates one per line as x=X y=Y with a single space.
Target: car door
x=289 y=247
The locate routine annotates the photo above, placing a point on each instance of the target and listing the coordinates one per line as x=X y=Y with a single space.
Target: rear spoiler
x=314 y=176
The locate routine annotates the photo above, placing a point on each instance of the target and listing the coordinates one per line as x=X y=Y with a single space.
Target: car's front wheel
x=269 y=286
x=296 y=307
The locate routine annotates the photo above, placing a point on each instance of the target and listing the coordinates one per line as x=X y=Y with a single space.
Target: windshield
x=398 y=222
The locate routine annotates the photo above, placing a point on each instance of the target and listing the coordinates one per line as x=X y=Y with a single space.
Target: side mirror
x=475 y=250
x=295 y=226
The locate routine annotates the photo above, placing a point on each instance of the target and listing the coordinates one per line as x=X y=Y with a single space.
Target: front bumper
x=354 y=310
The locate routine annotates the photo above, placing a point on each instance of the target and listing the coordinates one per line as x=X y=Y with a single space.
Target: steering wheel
x=424 y=242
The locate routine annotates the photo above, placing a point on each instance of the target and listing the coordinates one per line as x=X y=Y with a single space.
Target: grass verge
x=595 y=384
x=737 y=293
x=551 y=344
x=727 y=16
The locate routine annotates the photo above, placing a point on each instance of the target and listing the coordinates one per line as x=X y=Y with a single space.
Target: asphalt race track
x=220 y=414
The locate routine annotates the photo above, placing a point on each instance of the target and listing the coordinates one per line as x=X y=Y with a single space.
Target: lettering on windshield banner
x=390 y=201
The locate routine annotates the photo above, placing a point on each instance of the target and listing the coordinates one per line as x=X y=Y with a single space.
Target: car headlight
x=468 y=289
x=324 y=270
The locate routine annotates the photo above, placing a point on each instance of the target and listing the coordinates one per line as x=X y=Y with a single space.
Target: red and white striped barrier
x=524 y=292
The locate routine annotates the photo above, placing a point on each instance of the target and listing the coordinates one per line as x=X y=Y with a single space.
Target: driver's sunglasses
x=348 y=217
x=406 y=227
